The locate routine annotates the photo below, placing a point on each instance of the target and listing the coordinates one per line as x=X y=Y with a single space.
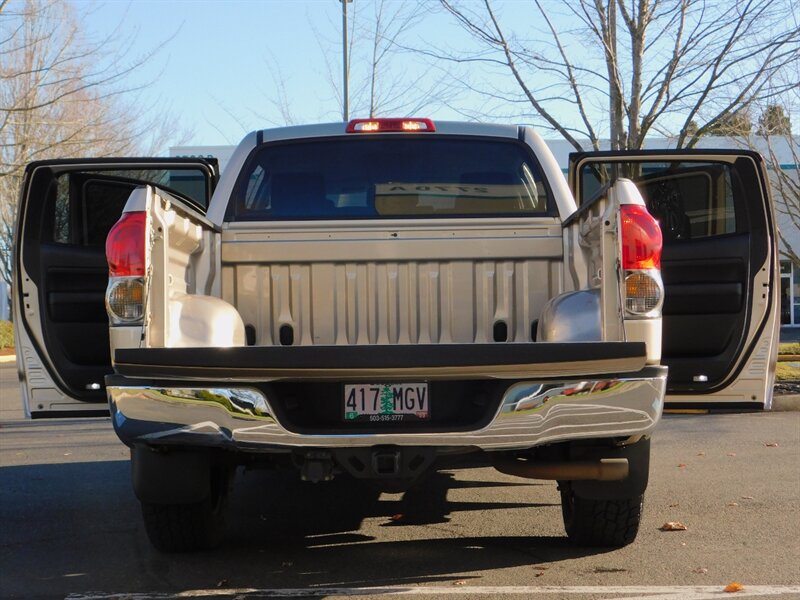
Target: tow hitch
x=385 y=462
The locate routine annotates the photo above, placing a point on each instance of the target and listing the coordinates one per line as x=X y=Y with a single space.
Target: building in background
x=790 y=273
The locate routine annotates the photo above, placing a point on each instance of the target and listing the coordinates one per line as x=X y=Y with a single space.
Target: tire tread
x=612 y=523
x=181 y=527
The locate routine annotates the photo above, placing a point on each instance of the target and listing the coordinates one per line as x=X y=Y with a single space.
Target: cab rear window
x=389 y=177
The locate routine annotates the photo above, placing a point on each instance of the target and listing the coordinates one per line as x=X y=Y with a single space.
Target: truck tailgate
x=428 y=361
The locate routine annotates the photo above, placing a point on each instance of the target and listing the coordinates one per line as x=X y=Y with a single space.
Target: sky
x=219 y=69
x=226 y=67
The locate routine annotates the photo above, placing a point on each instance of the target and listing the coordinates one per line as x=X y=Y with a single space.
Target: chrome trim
x=531 y=413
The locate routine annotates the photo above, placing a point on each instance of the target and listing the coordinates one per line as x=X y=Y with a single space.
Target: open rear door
x=65 y=210
x=719 y=266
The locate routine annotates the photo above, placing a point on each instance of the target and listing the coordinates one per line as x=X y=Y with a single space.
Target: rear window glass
x=389 y=178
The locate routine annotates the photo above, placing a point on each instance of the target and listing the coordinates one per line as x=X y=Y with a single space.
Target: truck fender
x=572 y=317
x=198 y=321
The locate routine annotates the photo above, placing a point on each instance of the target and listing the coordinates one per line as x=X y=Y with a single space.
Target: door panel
x=75 y=321
x=715 y=215
x=704 y=313
x=66 y=210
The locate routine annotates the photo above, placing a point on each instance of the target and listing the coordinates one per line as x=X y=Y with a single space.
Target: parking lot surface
x=70 y=526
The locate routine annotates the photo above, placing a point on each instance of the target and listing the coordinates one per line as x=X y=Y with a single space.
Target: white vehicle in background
x=385 y=296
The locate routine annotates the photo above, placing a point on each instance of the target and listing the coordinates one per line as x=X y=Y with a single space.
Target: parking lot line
x=632 y=592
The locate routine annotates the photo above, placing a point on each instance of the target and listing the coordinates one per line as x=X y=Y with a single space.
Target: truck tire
x=600 y=523
x=189 y=527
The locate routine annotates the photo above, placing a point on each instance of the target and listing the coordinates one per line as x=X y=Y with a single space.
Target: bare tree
x=65 y=94
x=631 y=67
x=781 y=150
x=386 y=87
x=385 y=76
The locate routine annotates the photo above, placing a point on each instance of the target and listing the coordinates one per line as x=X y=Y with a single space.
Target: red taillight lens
x=641 y=238
x=125 y=246
x=379 y=125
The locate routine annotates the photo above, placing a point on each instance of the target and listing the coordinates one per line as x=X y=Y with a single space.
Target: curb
x=8 y=358
x=786 y=402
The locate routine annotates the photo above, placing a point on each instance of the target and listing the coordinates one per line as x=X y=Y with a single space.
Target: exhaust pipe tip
x=606 y=469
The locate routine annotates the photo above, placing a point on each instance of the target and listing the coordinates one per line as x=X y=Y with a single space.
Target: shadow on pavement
x=72 y=528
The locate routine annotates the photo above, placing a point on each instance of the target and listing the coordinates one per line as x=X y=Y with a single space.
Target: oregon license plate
x=386 y=402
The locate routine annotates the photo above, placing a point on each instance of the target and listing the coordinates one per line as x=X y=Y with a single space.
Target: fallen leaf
x=733 y=504
x=67 y=453
x=772 y=445
x=673 y=526
x=700 y=570
x=734 y=587
x=222 y=583
x=701 y=454
x=681 y=465
x=747 y=498
x=396 y=517
x=674 y=505
x=460 y=582
x=539 y=574
x=731 y=453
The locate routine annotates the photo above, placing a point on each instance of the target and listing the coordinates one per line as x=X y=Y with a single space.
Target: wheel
x=188 y=527
x=591 y=522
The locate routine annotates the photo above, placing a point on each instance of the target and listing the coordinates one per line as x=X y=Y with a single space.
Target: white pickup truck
x=381 y=298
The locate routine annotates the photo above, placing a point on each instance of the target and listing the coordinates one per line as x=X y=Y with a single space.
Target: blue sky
x=229 y=65
x=218 y=73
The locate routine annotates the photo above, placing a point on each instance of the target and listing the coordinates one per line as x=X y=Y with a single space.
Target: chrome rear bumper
x=531 y=413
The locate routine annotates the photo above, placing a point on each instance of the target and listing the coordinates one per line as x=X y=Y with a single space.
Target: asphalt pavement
x=70 y=525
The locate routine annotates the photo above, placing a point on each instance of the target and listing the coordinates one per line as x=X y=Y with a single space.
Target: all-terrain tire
x=194 y=526
x=600 y=523
x=184 y=527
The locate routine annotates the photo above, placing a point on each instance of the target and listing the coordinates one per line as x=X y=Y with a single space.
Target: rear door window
x=690 y=200
x=389 y=177
x=88 y=203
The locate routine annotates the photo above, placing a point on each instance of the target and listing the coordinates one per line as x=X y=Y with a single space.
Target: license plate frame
x=370 y=402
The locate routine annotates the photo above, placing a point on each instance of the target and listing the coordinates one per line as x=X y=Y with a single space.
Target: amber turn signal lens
x=125 y=299
x=643 y=294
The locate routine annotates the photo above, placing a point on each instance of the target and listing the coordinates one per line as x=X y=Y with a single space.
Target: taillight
x=382 y=125
x=641 y=261
x=641 y=238
x=125 y=254
x=125 y=300
x=125 y=245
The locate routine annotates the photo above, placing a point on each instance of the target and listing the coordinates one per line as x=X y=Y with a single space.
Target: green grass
x=787 y=371
x=6 y=335
x=793 y=348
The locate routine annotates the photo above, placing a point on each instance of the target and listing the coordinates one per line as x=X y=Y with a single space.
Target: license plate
x=387 y=402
